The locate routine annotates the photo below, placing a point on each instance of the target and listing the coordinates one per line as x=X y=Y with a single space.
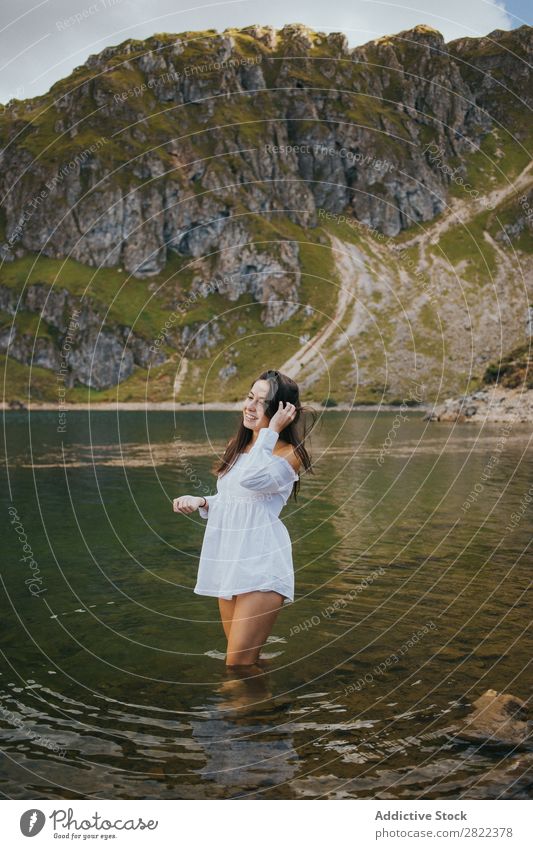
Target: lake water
x=113 y=683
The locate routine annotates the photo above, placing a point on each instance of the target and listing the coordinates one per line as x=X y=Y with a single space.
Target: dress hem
x=286 y=598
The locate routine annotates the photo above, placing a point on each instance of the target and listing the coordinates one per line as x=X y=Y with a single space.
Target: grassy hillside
x=434 y=304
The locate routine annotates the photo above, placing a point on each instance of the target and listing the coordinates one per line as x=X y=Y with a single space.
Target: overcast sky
x=42 y=41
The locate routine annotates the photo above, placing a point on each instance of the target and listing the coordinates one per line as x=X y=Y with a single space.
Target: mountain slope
x=205 y=205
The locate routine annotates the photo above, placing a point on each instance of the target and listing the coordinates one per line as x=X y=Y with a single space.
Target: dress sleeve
x=204 y=511
x=266 y=472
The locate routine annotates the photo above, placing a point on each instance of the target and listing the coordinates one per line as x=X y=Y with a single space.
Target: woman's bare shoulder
x=286 y=450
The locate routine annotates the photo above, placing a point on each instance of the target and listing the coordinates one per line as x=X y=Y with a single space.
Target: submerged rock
x=510 y=778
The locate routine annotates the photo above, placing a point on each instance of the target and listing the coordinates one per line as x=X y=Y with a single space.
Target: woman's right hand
x=283 y=416
x=187 y=503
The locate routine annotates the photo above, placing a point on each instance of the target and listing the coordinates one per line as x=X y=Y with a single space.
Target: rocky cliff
x=298 y=174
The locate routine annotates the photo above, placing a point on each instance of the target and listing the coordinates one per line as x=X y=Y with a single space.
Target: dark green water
x=120 y=666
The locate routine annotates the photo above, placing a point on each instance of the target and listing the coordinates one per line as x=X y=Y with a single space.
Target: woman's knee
x=243 y=647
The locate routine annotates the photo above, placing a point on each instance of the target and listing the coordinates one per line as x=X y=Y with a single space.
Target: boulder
x=497 y=719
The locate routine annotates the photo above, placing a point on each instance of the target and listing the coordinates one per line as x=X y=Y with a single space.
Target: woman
x=246 y=557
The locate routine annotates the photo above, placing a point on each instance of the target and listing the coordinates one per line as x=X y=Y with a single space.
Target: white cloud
x=42 y=43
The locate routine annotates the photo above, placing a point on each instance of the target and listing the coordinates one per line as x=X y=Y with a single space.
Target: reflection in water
x=245 y=687
x=245 y=745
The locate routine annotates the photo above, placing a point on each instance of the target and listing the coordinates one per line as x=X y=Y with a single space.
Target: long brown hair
x=281 y=388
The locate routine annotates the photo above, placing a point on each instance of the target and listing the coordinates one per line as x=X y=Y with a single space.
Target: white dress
x=246 y=546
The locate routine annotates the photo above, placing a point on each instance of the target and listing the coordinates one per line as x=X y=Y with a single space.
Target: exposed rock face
x=78 y=346
x=242 y=267
x=200 y=143
x=522 y=223
x=493 y=64
x=355 y=120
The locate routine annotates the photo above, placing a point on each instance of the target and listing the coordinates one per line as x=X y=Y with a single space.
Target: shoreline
x=490 y=405
x=209 y=406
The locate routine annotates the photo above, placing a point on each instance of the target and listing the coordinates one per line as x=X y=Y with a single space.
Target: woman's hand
x=282 y=417
x=188 y=503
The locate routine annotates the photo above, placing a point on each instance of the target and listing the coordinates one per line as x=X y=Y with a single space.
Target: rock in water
x=497 y=718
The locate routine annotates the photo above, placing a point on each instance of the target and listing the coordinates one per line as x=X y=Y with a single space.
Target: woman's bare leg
x=253 y=619
x=226 y=613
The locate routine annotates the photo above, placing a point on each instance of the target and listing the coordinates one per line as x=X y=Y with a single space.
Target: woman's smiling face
x=255 y=405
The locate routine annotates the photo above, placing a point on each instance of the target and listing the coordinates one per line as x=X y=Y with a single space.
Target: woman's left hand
x=282 y=417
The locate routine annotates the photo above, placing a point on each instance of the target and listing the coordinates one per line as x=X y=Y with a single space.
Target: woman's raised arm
x=266 y=471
